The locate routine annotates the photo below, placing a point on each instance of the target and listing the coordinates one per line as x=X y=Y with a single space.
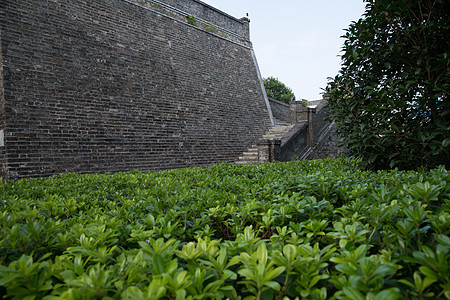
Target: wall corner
x=245 y=27
x=263 y=90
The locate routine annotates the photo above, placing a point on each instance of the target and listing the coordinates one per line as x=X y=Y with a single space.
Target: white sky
x=297 y=41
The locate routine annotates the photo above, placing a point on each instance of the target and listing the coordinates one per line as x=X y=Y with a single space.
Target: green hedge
x=320 y=229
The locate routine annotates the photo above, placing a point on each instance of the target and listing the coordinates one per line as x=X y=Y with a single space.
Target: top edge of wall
x=220 y=11
x=206 y=17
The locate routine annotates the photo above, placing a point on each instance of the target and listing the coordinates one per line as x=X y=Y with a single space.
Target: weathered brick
x=106 y=86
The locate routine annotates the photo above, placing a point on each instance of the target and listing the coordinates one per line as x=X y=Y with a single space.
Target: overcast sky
x=297 y=41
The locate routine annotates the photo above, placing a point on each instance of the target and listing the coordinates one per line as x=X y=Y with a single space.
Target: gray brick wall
x=320 y=121
x=3 y=165
x=293 y=144
x=312 y=138
x=105 y=85
x=329 y=147
x=210 y=14
x=280 y=110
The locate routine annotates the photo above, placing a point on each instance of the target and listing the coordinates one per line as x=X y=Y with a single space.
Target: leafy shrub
x=312 y=229
x=390 y=100
x=192 y=20
x=211 y=28
x=277 y=90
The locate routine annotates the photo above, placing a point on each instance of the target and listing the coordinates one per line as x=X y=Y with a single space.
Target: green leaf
x=234 y=261
x=158 y=264
x=181 y=278
x=4 y=280
x=274 y=273
x=261 y=253
x=273 y=285
x=181 y=294
x=389 y=294
x=417 y=280
x=427 y=281
x=247 y=273
x=428 y=272
x=353 y=293
x=230 y=274
x=346 y=269
x=408 y=283
x=313 y=281
x=290 y=252
x=384 y=270
x=443 y=239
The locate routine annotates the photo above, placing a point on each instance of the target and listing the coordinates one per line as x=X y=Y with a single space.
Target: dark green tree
x=277 y=90
x=390 y=100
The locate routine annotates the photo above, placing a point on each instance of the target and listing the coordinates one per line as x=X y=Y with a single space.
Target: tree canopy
x=277 y=90
x=390 y=100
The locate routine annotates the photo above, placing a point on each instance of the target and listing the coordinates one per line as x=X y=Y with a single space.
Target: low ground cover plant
x=320 y=229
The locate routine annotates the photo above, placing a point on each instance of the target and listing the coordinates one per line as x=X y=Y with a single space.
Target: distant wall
x=320 y=121
x=314 y=102
x=329 y=146
x=312 y=136
x=108 y=85
x=294 y=143
x=280 y=110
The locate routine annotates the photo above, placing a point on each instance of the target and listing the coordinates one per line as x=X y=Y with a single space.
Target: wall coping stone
x=203 y=25
x=279 y=102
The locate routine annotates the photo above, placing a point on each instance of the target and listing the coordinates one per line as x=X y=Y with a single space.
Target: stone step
x=278 y=128
x=250 y=156
x=279 y=122
x=272 y=136
x=279 y=132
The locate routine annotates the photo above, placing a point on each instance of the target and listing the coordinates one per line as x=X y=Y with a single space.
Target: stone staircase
x=274 y=133
x=279 y=122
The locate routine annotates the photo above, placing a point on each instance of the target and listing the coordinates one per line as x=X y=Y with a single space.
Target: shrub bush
x=312 y=229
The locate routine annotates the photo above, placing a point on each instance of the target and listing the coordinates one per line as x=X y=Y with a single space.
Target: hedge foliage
x=320 y=229
x=391 y=98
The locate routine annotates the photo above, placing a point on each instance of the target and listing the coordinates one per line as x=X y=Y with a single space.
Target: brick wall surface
x=105 y=85
x=294 y=143
x=3 y=166
x=210 y=14
x=319 y=118
x=329 y=147
x=322 y=135
x=280 y=110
